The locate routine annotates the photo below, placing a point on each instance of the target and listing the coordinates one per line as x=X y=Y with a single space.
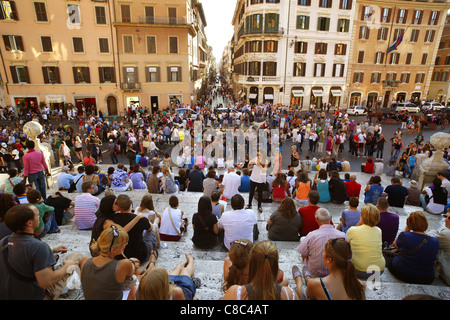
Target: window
x=77 y=45
x=420 y=77
x=429 y=36
x=366 y=13
x=358 y=77
x=323 y=24
x=272 y=22
x=404 y=78
x=395 y=56
x=402 y=16
x=149 y=15
x=103 y=44
x=414 y=35
x=173 y=45
x=100 y=15
x=303 y=22
x=272 y=1
x=174 y=74
x=304 y=2
x=438 y=60
x=436 y=75
x=398 y=33
x=255 y=23
x=19 y=74
x=386 y=15
x=375 y=77
x=383 y=33
x=444 y=76
x=153 y=74
x=126 y=14
x=364 y=32
x=128 y=44
x=106 y=74
x=424 y=58
x=41 y=12
x=254 y=68
x=343 y=25
x=408 y=58
x=8 y=10
x=13 y=43
x=345 y=4
x=172 y=15
x=417 y=19
x=340 y=49
x=434 y=18
x=270 y=46
x=391 y=76
x=74 y=15
x=447 y=60
x=321 y=48
x=269 y=68
x=301 y=47
x=253 y=46
x=379 y=57
x=151 y=44
x=325 y=3
x=46 y=42
x=299 y=69
x=81 y=75
x=338 y=69
x=361 y=57
x=319 y=69
x=51 y=75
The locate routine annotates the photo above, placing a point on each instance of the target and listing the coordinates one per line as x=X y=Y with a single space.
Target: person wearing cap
x=64 y=179
x=413 y=197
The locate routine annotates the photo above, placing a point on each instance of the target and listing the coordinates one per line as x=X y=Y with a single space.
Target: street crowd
x=335 y=255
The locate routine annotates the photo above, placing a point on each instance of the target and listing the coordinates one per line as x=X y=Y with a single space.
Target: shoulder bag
x=392 y=251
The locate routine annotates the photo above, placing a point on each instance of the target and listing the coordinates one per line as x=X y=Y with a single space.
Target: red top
x=309 y=219
x=353 y=189
x=369 y=167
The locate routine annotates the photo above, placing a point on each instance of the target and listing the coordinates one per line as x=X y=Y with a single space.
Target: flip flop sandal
x=296 y=272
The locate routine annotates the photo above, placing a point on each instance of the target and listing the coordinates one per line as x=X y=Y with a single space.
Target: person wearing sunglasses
x=103 y=276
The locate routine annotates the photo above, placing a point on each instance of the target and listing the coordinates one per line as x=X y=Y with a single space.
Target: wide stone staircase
x=209 y=263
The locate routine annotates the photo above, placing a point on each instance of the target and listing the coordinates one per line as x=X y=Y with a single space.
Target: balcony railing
x=263 y=31
x=162 y=20
x=130 y=86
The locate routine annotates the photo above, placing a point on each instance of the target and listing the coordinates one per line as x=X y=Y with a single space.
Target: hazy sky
x=219 y=29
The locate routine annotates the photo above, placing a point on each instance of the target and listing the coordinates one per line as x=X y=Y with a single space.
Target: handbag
x=392 y=251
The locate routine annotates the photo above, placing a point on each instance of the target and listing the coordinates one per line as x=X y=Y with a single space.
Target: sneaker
x=296 y=272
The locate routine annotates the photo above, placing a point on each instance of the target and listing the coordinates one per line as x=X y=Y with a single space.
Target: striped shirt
x=311 y=246
x=86 y=205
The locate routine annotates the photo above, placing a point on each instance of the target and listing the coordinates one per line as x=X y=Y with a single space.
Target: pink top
x=33 y=162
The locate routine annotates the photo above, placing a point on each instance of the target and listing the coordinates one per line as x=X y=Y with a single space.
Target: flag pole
x=389 y=38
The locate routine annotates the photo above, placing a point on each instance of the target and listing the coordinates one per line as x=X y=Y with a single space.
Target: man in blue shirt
x=64 y=179
x=245 y=181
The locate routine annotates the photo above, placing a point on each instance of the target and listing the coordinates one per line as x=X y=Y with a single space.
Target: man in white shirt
x=238 y=223
x=445 y=182
x=230 y=183
x=257 y=180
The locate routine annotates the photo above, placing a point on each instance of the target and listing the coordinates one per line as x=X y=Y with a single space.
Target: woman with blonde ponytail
x=341 y=283
x=262 y=276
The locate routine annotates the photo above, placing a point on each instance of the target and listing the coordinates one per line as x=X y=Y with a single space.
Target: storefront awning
x=337 y=93
x=298 y=93
x=252 y=95
x=268 y=96
x=317 y=93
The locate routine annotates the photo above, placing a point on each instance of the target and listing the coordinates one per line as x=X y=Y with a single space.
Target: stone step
x=209 y=263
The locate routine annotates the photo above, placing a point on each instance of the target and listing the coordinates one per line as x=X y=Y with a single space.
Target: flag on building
x=396 y=43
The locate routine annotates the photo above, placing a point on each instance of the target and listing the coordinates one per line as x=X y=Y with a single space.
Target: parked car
x=182 y=111
x=356 y=110
x=432 y=106
x=407 y=106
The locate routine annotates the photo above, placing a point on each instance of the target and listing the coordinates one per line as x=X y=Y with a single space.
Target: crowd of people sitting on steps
x=336 y=256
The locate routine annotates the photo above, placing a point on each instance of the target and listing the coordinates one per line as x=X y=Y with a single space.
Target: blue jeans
x=49 y=226
x=38 y=179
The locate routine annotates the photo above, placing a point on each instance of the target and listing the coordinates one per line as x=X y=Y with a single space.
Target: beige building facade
x=102 y=54
x=377 y=77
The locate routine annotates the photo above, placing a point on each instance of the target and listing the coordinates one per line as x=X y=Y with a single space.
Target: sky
x=219 y=29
